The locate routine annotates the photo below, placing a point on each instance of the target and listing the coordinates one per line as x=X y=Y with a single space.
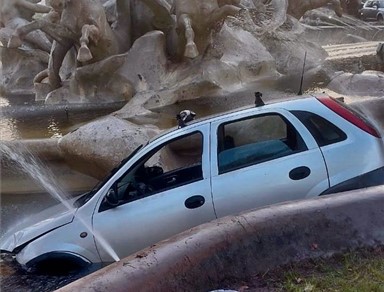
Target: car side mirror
x=112 y=198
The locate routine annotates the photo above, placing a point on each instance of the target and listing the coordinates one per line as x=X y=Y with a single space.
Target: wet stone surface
x=14 y=278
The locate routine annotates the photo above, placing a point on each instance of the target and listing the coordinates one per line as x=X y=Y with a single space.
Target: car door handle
x=194 y=202
x=300 y=172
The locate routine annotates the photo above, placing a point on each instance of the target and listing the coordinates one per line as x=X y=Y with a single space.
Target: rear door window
x=254 y=140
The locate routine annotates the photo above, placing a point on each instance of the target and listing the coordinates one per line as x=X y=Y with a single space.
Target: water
x=12 y=278
x=17 y=208
x=33 y=167
x=21 y=119
x=24 y=118
x=373 y=110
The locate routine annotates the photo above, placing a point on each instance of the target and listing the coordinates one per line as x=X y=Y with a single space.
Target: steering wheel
x=141 y=188
x=153 y=171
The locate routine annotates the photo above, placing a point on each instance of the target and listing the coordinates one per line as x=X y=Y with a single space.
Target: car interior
x=265 y=138
x=170 y=165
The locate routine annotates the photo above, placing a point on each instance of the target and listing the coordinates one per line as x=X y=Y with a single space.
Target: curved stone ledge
x=39 y=110
x=236 y=247
x=46 y=149
x=15 y=181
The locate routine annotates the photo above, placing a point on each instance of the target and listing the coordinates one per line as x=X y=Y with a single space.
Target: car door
x=166 y=191
x=370 y=10
x=380 y=12
x=261 y=159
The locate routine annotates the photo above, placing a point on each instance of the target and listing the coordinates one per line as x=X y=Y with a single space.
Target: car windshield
x=87 y=196
x=371 y=4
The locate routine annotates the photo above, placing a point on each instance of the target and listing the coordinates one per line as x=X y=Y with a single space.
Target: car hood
x=35 y=226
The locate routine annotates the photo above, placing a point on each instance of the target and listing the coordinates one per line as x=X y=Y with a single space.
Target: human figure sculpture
x=81 y=24
x=196 y=19
x=297 y=8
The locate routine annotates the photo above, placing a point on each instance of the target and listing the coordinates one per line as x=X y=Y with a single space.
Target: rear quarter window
x=324 y=132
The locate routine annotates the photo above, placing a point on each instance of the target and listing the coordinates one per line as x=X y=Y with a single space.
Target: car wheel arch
x=64 y=261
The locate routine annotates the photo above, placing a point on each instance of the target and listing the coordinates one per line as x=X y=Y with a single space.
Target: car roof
x=275 y=103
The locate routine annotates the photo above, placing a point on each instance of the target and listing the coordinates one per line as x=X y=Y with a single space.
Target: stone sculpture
x=17 y=67
x=82 y=24
x=196 y=19
x=16 y=13
x=81 y=27
x=161 y=9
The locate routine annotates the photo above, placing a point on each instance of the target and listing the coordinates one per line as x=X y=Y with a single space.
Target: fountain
x=32 y=166
x=165 y=56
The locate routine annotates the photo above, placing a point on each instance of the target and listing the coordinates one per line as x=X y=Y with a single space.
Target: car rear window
x=324 y=132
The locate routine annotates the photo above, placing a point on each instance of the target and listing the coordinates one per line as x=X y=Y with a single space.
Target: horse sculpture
x=72 y=23
x=83 y=24
x=17 y=13
x=195 y=21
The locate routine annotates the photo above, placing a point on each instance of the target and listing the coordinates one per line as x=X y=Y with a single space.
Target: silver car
x=373 y=10
x=204 y=170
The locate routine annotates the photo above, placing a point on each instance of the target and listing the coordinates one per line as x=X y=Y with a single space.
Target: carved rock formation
x=232 y=50
x=368 y=83
x=99 y=146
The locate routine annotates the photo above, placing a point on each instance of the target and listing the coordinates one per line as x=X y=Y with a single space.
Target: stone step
x=355 y=50
x=354 y=58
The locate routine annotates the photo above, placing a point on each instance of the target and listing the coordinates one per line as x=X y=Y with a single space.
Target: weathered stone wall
x=237 y=247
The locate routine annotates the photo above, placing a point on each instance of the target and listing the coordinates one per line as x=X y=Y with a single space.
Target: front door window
x=173 y=164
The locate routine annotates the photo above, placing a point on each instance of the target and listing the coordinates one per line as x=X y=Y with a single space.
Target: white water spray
x=372 y=110
x=31 y=165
